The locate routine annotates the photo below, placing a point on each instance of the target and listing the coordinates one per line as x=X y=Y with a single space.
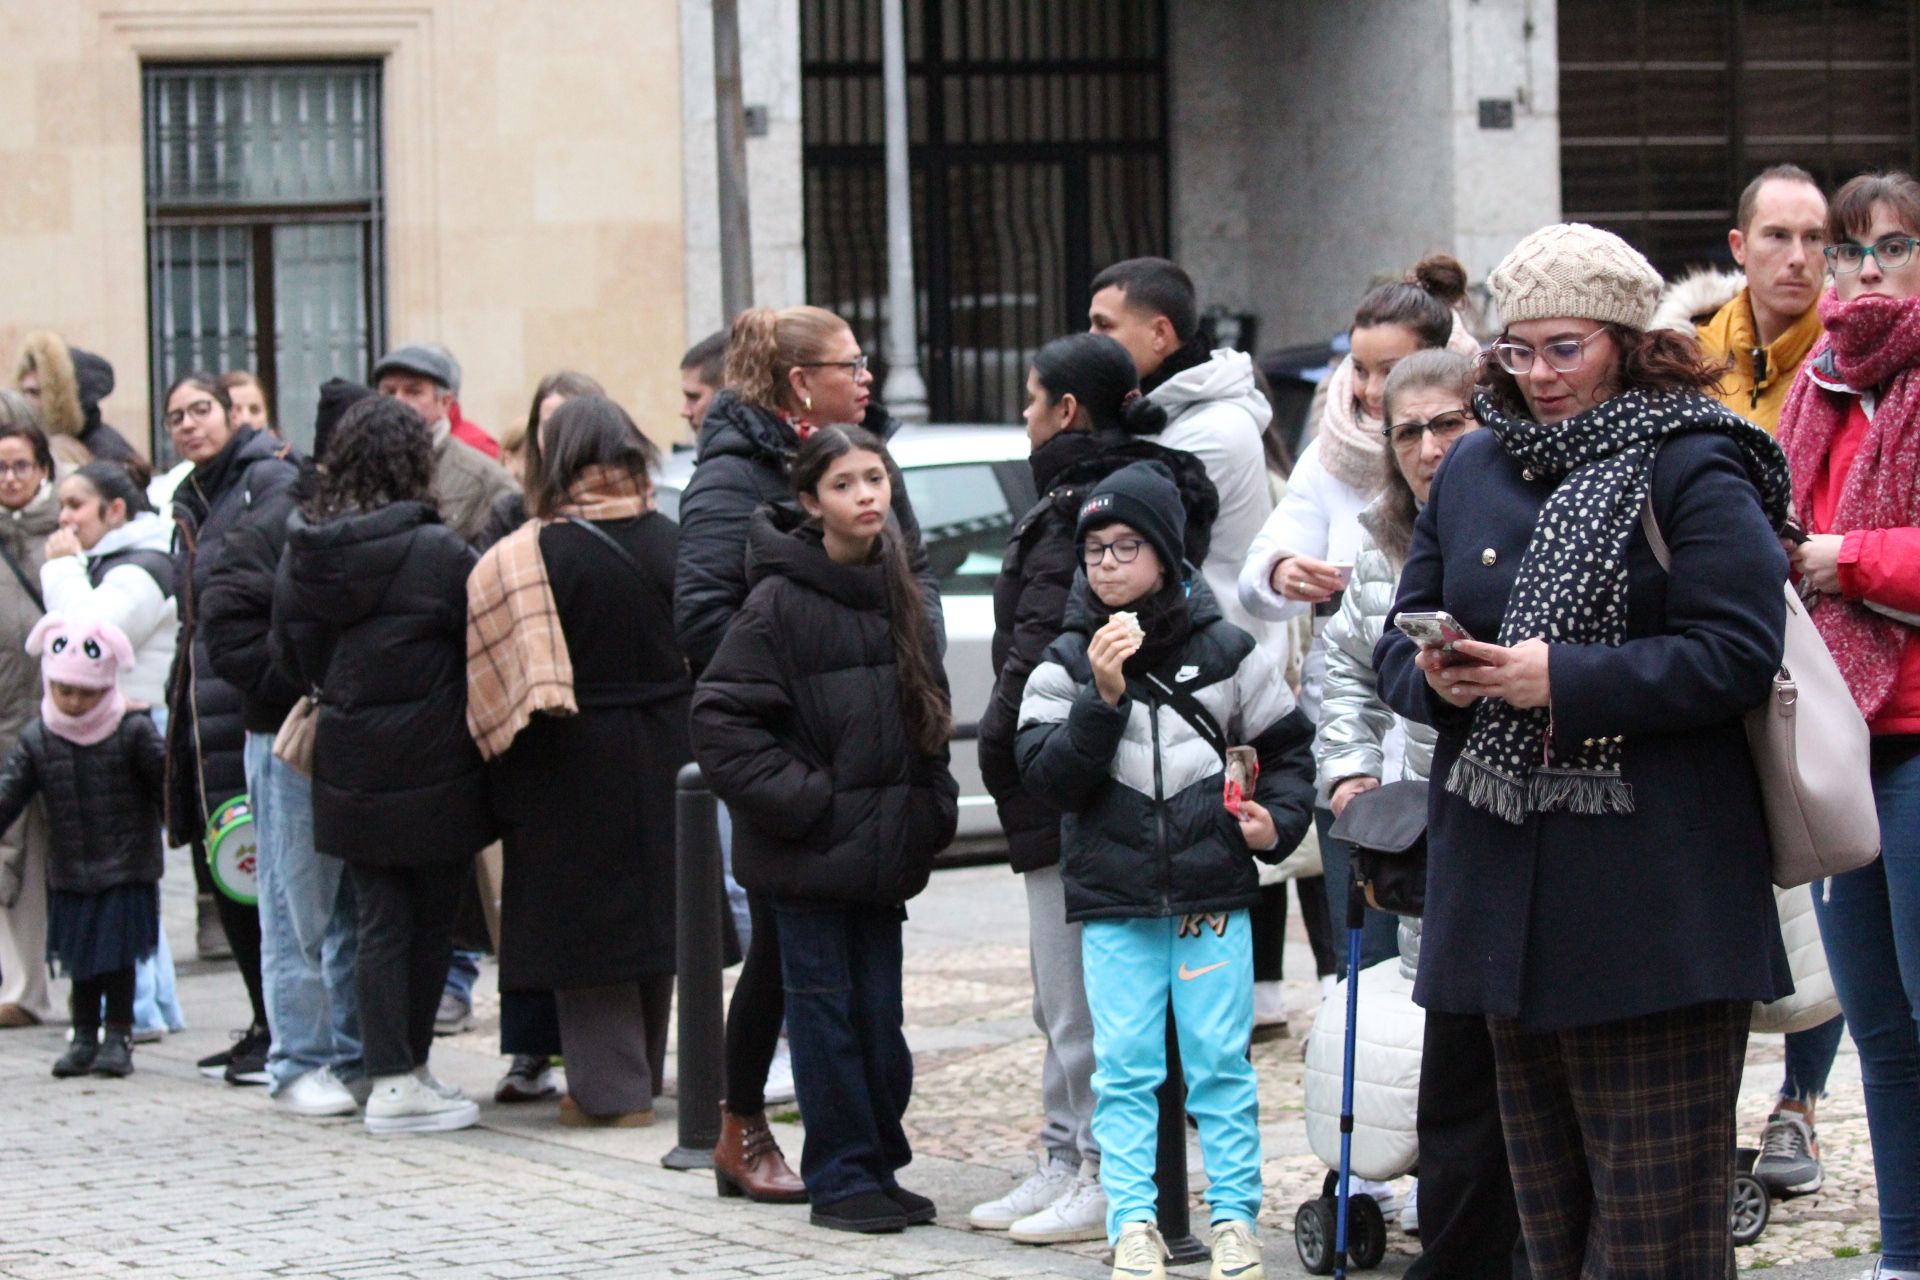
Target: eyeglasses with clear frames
x=1125 y=550
x=1444 y=426
x=1891 y=253
x=195 y=409
x=18 y=470
x=1562 y=356
x=856 y=366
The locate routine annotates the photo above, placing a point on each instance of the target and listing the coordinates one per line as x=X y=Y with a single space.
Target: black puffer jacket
x=371 y=609
x=93 y=377
x=236 y=611
x=1030 y=605
x=746 y=455
x=797 y=725
x=206 y=727
x=104 y=801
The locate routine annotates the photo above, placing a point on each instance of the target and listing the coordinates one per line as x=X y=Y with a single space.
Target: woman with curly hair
x=369 y=616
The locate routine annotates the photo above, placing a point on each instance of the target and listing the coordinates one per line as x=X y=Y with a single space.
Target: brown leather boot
x=747 y=1162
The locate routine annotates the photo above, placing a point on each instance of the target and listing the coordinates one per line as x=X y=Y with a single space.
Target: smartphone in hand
x=1436 y=630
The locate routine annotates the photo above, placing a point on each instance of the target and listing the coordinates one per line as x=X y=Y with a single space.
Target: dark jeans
x=1269 y=927
x=241 y=924
x=1469 y=1227
x=529 y=1024
x=406 y=941
x=1380 y=937
x=753 y=1019
x=116 y=988
x=852 y=1070
x=1810 y=1057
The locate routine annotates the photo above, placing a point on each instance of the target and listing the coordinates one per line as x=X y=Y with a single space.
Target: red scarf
x=1876 y=347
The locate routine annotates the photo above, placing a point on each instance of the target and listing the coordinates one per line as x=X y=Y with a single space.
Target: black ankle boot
x=116 y=1053
x=918 y=1209
x=870 y=1213
x=78 y=1059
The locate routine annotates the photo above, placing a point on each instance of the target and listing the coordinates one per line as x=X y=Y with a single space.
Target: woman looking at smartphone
x=1598 y=861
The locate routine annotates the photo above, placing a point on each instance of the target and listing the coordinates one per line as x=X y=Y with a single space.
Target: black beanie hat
x=337 y=395
x=1142 y=495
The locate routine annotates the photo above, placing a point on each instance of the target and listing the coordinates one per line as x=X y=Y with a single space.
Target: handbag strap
x=32 y=588
x=610 y=543
x=1650 y=525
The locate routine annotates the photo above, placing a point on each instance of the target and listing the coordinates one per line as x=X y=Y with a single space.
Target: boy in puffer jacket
x=1125 y=726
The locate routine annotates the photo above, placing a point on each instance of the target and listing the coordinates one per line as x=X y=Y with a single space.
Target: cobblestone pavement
x=168 y=1174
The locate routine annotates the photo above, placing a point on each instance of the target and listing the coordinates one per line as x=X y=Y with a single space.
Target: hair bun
x=1441 y=275
x=1140 y=416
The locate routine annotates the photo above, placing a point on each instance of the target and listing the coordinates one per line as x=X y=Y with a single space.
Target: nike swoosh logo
x=1188 y=975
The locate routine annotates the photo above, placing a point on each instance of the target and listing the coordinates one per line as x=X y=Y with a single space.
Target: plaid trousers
x=1621 y=1138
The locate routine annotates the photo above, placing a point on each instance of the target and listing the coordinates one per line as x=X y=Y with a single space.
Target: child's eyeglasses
x=1125 y=551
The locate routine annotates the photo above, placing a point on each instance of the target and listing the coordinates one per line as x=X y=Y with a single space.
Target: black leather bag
x=1387 y=828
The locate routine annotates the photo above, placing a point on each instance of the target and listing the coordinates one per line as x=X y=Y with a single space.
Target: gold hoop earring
x=807 y=401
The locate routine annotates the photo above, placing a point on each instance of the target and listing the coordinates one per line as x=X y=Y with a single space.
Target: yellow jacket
x=1756 y=386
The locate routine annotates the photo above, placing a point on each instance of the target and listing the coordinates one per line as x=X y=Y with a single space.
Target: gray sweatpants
x=1060 y=1011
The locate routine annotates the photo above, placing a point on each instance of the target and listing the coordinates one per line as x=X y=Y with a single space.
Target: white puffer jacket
x=1814 y=1000
x=1386 y=1077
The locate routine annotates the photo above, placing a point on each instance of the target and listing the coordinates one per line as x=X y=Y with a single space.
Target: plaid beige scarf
x=517 y=661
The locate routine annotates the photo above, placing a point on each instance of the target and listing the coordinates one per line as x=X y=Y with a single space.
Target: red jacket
x=469 y=434
x=1881 y=565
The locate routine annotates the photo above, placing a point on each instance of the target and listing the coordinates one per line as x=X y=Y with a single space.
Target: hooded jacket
x=370 y=609
x=73 y=382
x=126 y=579
x=1030 y=606
x=1758 y=377
x=105 y=800
x=1146 y=833
x=206 y=732
x=1216 y=412
x=236 y=610
x=745 y=459
x=797 y=724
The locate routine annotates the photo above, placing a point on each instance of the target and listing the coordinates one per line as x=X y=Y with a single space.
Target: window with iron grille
x=1039 y=156
x=264 y=228
x=1669 y=107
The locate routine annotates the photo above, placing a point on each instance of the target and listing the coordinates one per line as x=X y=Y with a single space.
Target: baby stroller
x=1387 y=826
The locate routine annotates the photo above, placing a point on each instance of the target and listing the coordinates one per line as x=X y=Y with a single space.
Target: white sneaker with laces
x=1080 y=1213
x=1047 y=1184
x=1236 y=1252
x=1410 y=1211
x=315 y=1093
x=439 y=1086
x=1140 y=1253
x=407 y=1104
x=780 y=1076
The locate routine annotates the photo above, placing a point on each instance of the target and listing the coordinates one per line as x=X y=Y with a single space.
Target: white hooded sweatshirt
x=128 y=597
x=1216 y=413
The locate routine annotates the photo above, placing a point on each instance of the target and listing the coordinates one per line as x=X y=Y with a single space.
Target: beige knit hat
x=1572 y=269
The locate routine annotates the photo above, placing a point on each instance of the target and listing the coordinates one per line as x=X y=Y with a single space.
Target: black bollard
x=700 y=893
x=1170 y=1159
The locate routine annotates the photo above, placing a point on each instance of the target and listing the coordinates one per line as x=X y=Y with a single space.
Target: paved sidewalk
x=168 y=1174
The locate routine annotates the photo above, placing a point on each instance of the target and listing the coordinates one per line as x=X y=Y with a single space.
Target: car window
x=965 y=520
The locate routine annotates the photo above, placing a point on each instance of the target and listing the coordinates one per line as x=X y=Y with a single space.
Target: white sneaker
x=1140 y=1253
x=1328 y=985
x=1381 y=1191
x=1048 y=1183
x=1269 y=1004
x=449 y=1091
x=407 y=1104
x=1078 y=1214
x=780 y=1076
x=1410 y=1211
x=1236 y=1252
x=315 y=1093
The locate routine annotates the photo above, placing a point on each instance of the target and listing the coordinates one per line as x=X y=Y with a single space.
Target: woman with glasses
x=1851 y=429
x=789 y=372
x=28 y=514
x=234 y=470
x=1599 y=884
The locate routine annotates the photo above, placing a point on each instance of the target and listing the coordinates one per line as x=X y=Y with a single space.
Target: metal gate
x=1039 y=153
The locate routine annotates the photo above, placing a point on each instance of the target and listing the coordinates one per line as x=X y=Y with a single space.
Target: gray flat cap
x=416 y=359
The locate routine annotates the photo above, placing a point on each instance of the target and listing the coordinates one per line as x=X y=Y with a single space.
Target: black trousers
x=759 y=1008
x=241 y=924
x=1269 y=928
x=406 y=941
x=84 y=1001
x=1469 y=1227
x=529 y=1024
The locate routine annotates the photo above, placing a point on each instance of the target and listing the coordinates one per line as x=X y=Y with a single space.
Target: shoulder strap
x=1189 y=708
x=1650 y=525
x=608 y=540
x=31 y=587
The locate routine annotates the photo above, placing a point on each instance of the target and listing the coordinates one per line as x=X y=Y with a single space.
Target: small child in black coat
x=102 y=772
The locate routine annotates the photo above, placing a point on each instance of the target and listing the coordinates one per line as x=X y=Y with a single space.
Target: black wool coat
x=206 y=724
x=586 y=802
x=1030 y=606
x=371 y=610
x=104 y=801
x=1569 y=920
x=797 y=725
x=746 y=458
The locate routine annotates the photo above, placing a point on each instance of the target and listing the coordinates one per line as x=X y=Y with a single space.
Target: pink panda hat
x=88 y=654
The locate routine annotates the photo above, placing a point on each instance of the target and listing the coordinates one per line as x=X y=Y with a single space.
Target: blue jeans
x=852 y=1071
x=308 y=928
x=1810 y=1056
x=1870 y=922
x=462 y=972
x=156 y=1001
x=1380 y=936
x=1134 y=969
x=736 y=896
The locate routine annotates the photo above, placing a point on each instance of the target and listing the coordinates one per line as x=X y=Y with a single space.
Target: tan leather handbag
x=1812 y=752
x=294 y=742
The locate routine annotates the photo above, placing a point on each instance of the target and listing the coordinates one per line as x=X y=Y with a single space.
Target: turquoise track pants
x=1133 y=968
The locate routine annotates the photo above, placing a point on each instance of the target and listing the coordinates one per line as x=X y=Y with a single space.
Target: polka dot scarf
x=1572 y=584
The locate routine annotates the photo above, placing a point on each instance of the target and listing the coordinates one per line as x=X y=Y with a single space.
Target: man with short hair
x=702 y=371
x=465 y=481
x=1215 y=410
x=464 y=429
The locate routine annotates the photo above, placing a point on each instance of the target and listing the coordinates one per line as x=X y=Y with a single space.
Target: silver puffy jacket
x=1354 y=723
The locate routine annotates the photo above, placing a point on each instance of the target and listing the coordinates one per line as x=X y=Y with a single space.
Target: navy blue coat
x=1569 y=920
